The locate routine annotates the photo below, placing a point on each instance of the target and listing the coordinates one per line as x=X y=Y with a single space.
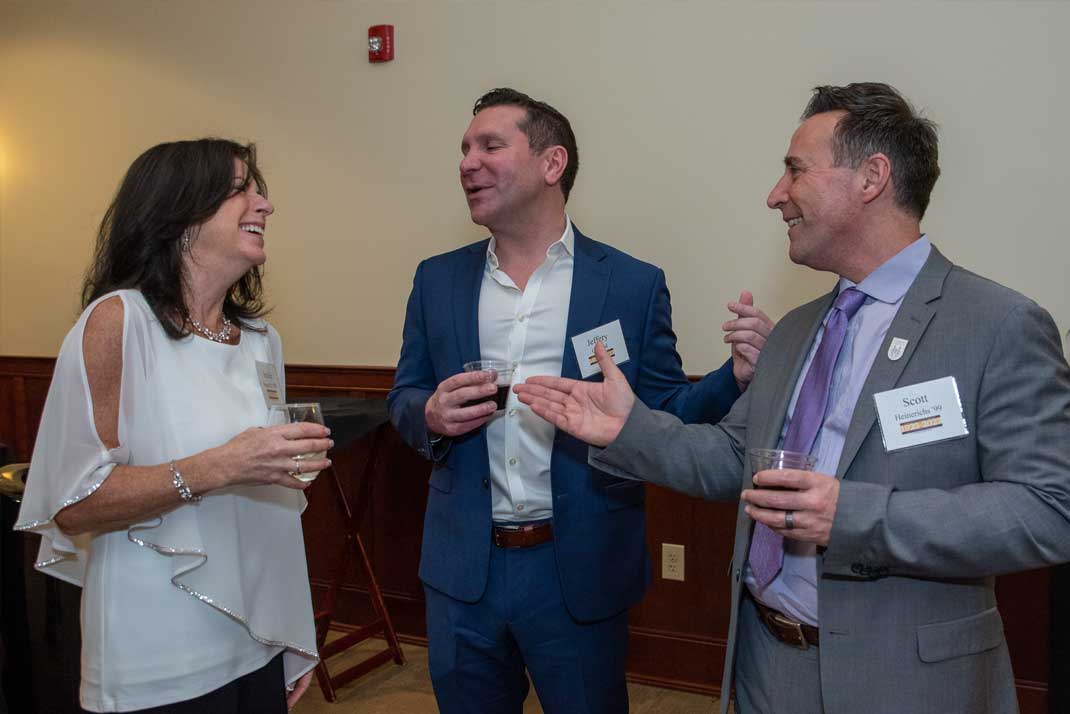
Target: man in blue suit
x=530 y=558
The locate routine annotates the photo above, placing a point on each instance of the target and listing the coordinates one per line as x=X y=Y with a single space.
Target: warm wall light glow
x=3 y=161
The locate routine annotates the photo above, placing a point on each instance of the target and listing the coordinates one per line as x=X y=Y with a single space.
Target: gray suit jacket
x=907 y=605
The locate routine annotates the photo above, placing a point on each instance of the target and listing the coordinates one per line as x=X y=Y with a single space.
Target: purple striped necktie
x=767 y=546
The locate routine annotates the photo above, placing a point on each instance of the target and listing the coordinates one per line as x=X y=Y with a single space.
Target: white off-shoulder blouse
x=177 y=606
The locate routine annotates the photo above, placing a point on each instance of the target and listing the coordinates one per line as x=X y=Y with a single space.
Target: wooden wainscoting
x=678 y=630
x=23 y=387
x=393 y=526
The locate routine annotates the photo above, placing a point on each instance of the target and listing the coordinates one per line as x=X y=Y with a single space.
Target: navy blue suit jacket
x=599 y=526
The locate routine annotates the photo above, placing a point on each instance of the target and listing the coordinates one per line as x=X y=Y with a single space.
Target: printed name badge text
x=609 y=335
x=921 y=413
x=269 y=383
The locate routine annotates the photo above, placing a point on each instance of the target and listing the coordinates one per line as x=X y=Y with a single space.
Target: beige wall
x=683 y=111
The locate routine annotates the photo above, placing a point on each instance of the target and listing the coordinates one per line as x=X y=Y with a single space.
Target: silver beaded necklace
x=223 y=335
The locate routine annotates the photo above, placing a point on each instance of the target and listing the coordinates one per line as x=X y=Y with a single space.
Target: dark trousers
x=478 y=652
x=262 y=691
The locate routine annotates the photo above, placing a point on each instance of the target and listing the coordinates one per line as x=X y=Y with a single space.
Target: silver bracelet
x=178 y=483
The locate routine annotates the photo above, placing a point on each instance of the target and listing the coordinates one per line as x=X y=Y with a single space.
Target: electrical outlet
x=672 y=561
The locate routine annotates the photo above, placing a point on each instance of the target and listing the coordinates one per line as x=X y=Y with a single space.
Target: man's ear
x=876 y=173
x=555 y=159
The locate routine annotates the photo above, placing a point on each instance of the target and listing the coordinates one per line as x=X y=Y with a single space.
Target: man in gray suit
x=937 y=406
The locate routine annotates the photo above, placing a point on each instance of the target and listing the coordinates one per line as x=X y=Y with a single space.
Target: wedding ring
x=789 y=520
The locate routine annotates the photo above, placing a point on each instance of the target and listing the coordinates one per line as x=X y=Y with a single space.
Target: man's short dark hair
x=880 y=120
x=543 y=125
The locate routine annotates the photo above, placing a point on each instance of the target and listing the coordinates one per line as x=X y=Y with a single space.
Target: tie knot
x=849 y=301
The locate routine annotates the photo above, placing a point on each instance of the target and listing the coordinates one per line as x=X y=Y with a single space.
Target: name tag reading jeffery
x=269 y=383
x=609 y=335
x=920 y=414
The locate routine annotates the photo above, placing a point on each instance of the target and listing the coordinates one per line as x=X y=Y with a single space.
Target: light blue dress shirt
x=794 y=590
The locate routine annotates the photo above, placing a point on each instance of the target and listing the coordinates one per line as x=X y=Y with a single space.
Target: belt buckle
x=795 y=627
x=500 y=532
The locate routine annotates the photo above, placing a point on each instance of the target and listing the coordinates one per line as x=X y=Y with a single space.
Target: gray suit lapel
x=919 y=306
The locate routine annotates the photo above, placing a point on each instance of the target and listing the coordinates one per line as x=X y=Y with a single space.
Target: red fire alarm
x=380 y=43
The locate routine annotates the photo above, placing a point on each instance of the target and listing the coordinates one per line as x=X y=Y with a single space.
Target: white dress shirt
x=526 y=328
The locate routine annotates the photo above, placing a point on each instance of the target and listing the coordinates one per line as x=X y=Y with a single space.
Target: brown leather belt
x=787 y=630
x=523 y=536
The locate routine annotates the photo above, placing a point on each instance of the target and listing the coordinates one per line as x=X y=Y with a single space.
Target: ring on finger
x=789 y=520
x=297 y=468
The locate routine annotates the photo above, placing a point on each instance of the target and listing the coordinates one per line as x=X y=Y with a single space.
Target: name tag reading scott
x=269 y=383
x=609 y=335
x=920 y=414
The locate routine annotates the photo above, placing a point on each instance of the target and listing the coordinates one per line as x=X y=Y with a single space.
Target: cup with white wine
x=292 y=414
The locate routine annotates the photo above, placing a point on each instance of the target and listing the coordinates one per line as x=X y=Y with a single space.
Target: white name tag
x=920 y=414
x=269 y=383
x=609 y=335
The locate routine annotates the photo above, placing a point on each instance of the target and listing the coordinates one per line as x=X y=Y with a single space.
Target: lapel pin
x=897 y=348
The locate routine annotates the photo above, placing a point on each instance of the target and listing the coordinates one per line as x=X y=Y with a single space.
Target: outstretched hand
x=593 y=412
x=746 y=333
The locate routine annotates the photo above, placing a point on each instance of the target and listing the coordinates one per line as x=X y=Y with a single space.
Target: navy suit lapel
x=919 y=306
x=467 y=281
x=590 y=286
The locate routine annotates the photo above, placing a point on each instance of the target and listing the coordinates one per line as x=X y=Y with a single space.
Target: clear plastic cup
x=765 y=459
x=503 y=377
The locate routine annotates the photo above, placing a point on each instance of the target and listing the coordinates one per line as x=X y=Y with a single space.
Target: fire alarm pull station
x=380 y=43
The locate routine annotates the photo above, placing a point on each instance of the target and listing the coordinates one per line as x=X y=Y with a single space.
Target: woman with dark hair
x=152 y=483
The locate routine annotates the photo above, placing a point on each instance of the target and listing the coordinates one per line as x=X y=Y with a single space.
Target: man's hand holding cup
x=467 y=401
